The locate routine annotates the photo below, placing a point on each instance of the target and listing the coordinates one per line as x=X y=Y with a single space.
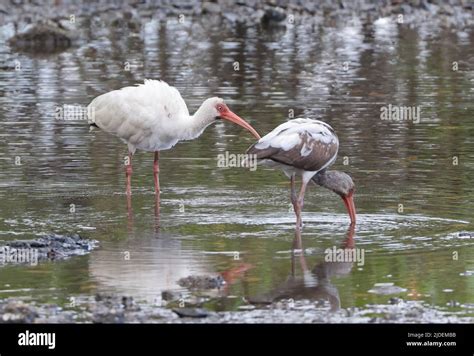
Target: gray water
x=231 y=220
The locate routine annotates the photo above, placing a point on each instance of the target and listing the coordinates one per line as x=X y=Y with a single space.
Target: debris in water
x=395 y=301
x=191 y=312
x=386 y=289
x=202 y=282
x=171 y=295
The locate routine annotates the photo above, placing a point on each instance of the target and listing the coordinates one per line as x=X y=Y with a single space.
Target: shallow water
x=231 y=220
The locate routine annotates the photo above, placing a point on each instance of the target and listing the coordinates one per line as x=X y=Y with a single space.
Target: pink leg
x=156 y=174
x=299 y=206
x=128 y=174
x=293 y=192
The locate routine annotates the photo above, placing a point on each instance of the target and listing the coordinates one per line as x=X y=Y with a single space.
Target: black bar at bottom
x=453 y=339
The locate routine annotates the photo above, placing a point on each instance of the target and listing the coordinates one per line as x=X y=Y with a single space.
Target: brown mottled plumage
x=320 y=153
x=306 y=148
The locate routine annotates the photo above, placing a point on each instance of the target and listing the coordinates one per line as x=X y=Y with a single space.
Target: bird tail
x=92 y=126
x=91 y=116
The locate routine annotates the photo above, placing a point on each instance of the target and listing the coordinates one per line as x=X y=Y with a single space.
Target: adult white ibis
x=306 y=147
x=154 y=117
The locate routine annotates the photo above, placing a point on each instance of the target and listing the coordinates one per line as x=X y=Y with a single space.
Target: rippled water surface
x=414 y=203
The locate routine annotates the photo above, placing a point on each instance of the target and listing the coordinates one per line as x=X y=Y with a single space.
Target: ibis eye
x=220 y=108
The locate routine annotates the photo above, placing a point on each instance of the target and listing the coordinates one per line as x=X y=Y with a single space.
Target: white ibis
x=154 y=117
x=306 y=147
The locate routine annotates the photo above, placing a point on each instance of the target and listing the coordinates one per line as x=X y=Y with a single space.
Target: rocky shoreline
x=117 y=309
x=453 y=13
x=37 y=29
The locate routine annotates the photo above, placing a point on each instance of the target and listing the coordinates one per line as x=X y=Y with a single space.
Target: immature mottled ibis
x=306 y=147
x=154 y=117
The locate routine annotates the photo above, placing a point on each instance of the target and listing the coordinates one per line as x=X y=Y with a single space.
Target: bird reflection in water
x=315 y=283
x=130 y=218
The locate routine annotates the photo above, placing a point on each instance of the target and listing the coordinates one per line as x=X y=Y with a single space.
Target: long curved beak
x=230 y=116
x=349 y=203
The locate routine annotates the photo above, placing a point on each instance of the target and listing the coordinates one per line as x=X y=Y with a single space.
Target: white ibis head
x=215 y=108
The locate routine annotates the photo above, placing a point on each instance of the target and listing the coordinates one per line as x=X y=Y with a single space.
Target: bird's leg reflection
x=297 y=241
x=157 y=213
x=314 y=284
x=298 y=251
x=232 y=275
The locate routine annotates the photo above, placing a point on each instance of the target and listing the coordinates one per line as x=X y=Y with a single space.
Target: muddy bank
x=121 y=14
x=116 y=309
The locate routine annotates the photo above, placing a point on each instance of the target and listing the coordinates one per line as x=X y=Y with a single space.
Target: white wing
x=306 y=144
x=141 y=115
x=287 y=135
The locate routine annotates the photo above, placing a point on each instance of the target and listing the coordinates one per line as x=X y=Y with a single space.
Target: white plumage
x=154 y=117
x=133 y=113
x=287 y=135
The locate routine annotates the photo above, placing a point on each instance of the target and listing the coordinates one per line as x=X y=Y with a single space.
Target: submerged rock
x=191 y=312
x=171 y=295
x=45 y=248
x=202 y=282
x=113 y=309
x=395 y=301
x=42 y=37
x=17 y=312
x=273 y=15
x=128 y=20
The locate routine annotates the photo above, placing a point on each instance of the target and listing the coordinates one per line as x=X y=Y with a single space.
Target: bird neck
x=196 y=124
x=339 y=182
x=324 y=179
